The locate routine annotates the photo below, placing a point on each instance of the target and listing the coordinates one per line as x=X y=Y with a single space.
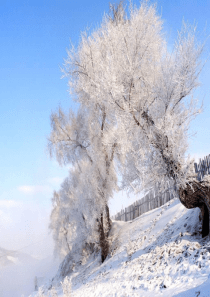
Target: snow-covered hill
x=160 y=253
x=8 y=257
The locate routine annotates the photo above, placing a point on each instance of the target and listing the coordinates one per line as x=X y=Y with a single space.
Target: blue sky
x=34 y=37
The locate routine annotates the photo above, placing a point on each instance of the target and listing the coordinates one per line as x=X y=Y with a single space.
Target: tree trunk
x=108 y=220
x=104 y=228
x=103 y=240
x=197 y=194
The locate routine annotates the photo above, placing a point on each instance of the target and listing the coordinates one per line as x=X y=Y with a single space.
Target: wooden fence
x=203 y=167
x=150 y=201
x=154 y=199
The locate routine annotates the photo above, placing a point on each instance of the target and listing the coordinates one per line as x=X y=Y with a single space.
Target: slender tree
x=81 y=140
x=73 y=219
x=67 y=222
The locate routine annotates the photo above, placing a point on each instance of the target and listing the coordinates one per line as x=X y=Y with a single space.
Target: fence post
x=156 y=197
x=161 y=200
x=164 y=197
x=139 y=207
x=143 y=205
x=133 y=212
x=147 y=202
x=152 y=200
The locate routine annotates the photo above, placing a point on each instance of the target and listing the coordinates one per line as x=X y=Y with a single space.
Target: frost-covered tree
x=81 y=140
x=146 y=91
x=59 y=224
x=67 y=220
x=74 y=229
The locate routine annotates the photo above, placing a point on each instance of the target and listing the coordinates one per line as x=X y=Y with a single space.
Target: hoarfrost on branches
x=135 y=106
x=147 y=91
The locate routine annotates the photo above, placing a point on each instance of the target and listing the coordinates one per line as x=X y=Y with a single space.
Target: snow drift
x=161 y=253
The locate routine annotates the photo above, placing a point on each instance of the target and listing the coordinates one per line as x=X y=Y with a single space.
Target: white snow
x=161 y=253
x=13 y=259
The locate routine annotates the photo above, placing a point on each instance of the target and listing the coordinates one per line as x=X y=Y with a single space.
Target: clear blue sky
x=34 y=36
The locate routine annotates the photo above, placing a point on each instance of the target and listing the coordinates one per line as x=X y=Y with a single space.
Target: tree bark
x=197 y=194
x=103 y=240
x=104 y=228
x=108 y=220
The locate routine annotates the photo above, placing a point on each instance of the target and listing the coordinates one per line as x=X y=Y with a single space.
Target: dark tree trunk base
x=197 y=194
x=103 y=234
x=104 y=245
x=205 y=224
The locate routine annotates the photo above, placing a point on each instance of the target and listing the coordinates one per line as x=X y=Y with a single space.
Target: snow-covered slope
x=160 y=253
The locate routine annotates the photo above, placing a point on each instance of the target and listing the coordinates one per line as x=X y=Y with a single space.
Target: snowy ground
x=160 y=253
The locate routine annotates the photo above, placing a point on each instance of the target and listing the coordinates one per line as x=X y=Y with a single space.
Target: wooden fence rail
x=154 y=199
x=150 y=201
x=203 y=167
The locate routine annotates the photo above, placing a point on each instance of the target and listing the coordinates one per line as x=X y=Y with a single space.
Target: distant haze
x=24 y=227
